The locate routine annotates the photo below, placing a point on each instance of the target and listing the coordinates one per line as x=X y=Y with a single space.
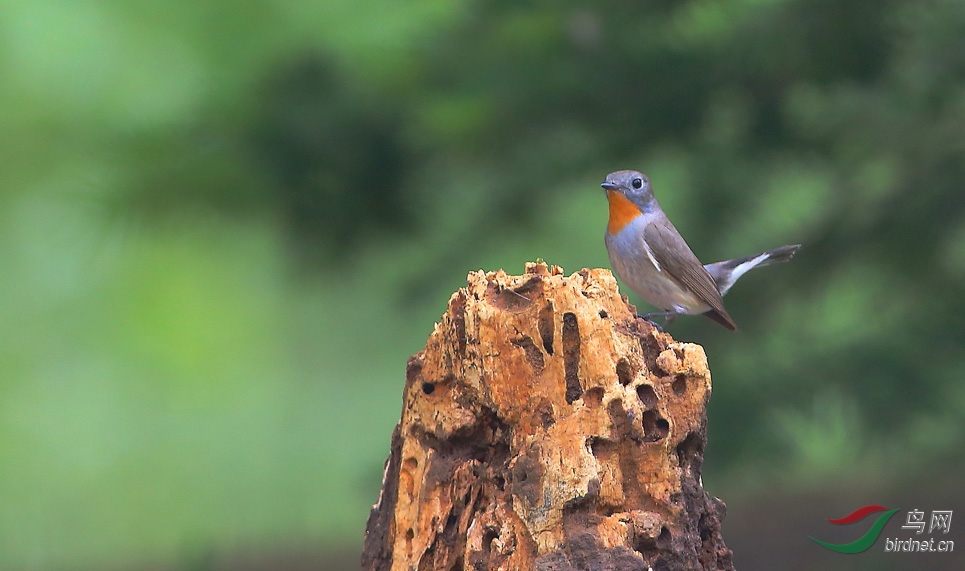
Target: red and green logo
x=866 y=540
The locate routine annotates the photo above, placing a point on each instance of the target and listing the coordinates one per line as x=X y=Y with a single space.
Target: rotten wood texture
x=545 y=427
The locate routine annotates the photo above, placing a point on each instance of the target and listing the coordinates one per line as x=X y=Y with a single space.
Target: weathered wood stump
x=545 y=427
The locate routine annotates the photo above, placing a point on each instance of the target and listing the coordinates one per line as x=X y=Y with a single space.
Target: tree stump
x=545 y=427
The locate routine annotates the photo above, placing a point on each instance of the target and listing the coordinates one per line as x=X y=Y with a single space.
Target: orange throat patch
x=622 y=211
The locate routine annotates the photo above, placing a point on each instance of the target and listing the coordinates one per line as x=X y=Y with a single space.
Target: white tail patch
x=742 y=269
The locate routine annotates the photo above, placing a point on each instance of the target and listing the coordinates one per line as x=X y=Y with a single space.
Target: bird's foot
x=668 y=316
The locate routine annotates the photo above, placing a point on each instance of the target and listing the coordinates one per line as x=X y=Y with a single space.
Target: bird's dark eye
x=636 y=183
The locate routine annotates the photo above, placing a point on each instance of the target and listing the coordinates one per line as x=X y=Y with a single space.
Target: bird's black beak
x=609 y=185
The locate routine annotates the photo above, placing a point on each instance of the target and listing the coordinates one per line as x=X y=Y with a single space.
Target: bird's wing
x=661 y=238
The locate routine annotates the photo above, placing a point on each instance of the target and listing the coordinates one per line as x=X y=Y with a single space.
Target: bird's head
x=629 y=195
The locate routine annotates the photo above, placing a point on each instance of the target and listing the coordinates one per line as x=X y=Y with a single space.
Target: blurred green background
x=225 y=226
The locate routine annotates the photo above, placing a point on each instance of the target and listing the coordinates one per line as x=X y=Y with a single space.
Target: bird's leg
x=668 y=315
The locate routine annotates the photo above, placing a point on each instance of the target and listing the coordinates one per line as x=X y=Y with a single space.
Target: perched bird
x=648 y=253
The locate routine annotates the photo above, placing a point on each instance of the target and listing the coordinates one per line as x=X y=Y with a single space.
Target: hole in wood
x=624 y=372
x=593 y=397
x=654 y=426
x=544 y=325
x=647 y=396
x=665 y=536
x=571 y=357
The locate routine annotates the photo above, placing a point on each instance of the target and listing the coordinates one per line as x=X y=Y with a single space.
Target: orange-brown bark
x=544 y=426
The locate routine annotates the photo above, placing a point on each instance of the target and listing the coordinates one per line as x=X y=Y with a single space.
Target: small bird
x=648 y=253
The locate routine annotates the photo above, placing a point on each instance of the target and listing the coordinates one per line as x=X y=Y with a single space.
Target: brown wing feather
x=685 y=267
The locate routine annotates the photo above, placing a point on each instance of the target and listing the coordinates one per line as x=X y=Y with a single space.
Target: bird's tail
x=778 y=255
x=727 y=272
